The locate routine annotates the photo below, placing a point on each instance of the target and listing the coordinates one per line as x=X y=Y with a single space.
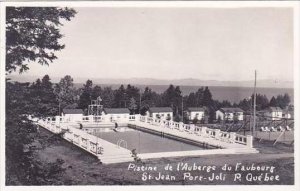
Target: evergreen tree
x=245 y=105
x=120 y=97
x=149 y=99
x=273 y=102
x=86 y=95
x=207 y=97
x=172 y=98
x=283 y=100
x=191 y=100
x=96 y=92
x=107 y=96
x=43 y=99
x=132 y=106
x=199 y=97
x=65 y=92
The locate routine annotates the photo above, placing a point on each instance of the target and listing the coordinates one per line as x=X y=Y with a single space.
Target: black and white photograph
x=150 y=93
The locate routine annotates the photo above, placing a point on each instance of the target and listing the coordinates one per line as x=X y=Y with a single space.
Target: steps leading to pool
x=115 y=158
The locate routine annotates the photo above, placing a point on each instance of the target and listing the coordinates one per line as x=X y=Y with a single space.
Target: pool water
x=145 y=142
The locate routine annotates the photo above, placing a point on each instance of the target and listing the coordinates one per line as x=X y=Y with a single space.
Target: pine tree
x=43 y=98
x=273 y=102
x=65 y=92
x=132 y=105
x=86 y=95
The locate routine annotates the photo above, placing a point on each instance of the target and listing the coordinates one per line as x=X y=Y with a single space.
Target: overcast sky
x=174 y=43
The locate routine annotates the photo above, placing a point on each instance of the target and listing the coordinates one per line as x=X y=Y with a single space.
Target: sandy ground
x=84 y=169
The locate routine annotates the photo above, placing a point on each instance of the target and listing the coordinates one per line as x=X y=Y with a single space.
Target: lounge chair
x=263 y=129
x=267 y=129
x=272 y=129
x=280 y=129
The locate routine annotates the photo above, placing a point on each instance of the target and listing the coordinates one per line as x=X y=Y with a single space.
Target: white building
x=196 y=113
x=165 y=113
x=116 y=114
x=72 y=115
x=274 y=113
x=230 y=114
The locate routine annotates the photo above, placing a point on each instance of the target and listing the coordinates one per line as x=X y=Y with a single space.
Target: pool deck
x=227 y=147
x=115 y=154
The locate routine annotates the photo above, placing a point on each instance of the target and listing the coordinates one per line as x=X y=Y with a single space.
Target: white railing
x=76 y=136
x=229 y=137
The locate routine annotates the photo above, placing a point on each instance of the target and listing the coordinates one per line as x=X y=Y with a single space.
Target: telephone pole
x=254 y=106
x=182 y=107
x=140 y=101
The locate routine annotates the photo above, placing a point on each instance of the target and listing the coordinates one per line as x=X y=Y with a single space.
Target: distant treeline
x=45 y=98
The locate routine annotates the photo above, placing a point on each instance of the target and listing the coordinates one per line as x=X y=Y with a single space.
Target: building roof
x=274 y=109
x=160 y=109
x=72 y=111
x=231 y=109
x=116 y=110
x=196 y=109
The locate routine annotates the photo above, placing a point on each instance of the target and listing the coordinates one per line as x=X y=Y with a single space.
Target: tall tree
x=132 y=106
x=43 y=100
x=96 y=92
x=33 y=34
x=22 y=165
x=207 y=97
x=65 y=92
x=120 y=97
x=149 y=99
x=199 y=97
x=191 y=100
x=262 y=102
x=86 y=95
x=107 y=96
x=172 y=98
x=273 y=102
x=285 y=101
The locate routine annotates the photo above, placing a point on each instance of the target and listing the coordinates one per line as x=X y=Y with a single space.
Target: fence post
x=249 y=141
x=232 y=137
x=57 y=120
x=203 y=130
x=217 y=133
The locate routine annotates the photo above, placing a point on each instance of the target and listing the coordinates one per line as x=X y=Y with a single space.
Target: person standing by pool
x=116 y=126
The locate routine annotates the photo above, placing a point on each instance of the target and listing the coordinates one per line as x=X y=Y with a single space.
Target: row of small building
x=166 y=113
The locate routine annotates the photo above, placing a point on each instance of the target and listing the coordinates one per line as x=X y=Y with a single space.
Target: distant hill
x=181 y=82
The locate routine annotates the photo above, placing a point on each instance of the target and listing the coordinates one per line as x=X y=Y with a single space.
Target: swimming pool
x=145 y=142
